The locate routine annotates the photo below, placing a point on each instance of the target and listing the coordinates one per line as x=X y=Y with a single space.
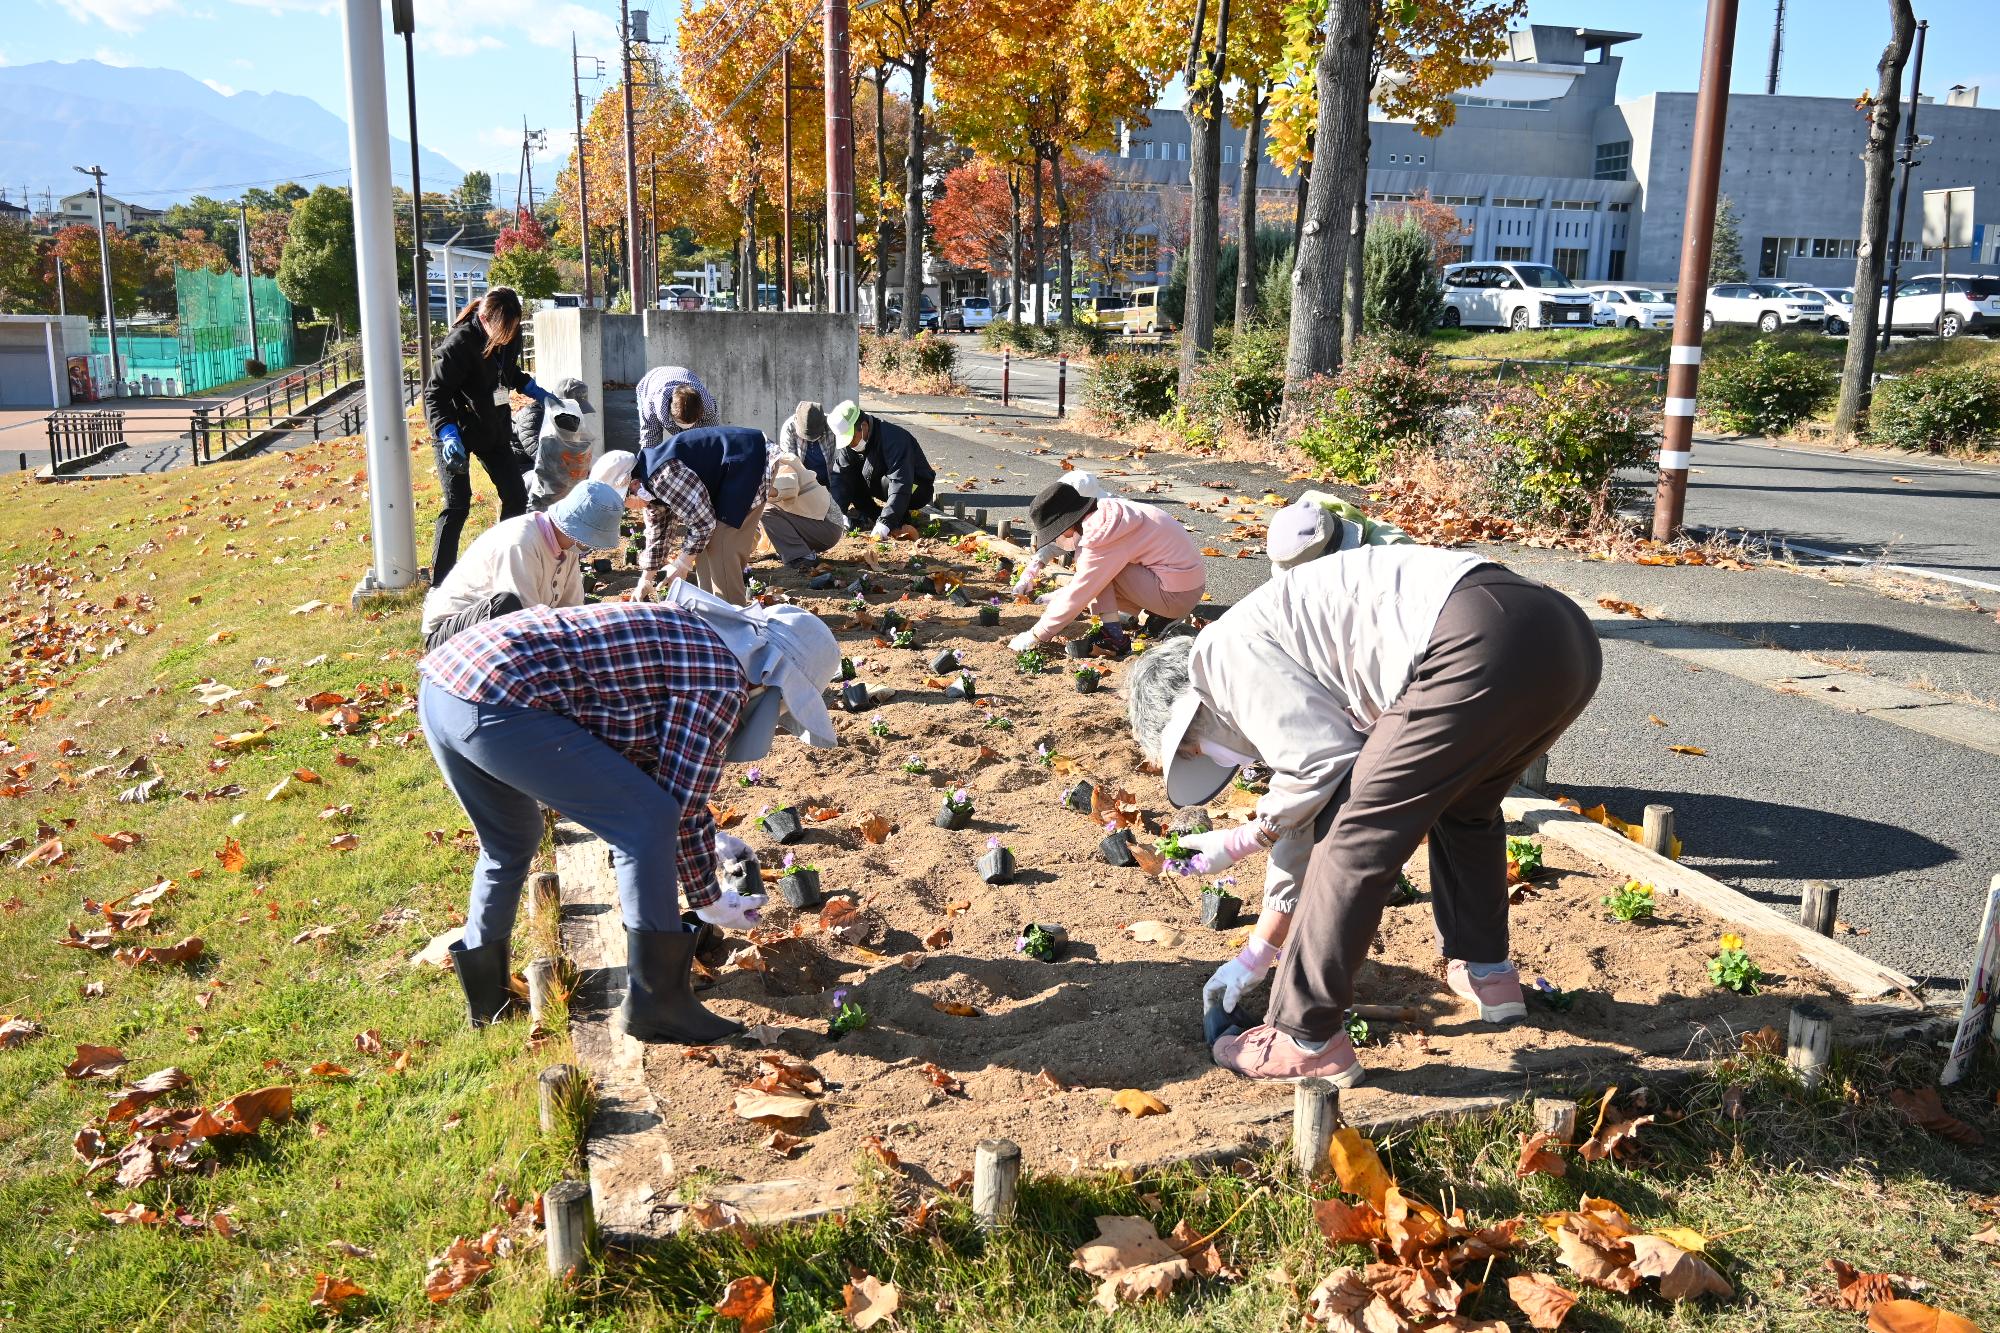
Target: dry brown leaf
x=1138 y=1104
x=461 y=1265
x=334 y=1293
x=774 y=1110
x=1924 y=1108
x=305 y=775
x=1357 y=1167
x=939 y=1079
x=938 y=938
x=1598 y=1259
x=1688 y=749
x=1131 y=1262
x=94 y=1062
x=1544 y=1300
x=1343 y=1303
x=783 y=1144
x=751 y=1301
x=820 y=814
x=1858 y=1290
x=1683 y=1277
x=123 y=841
x=232 y=857
x=1154 y=932
x=870 y=1300
x=1622 y=608
x=1148 y=860
x=1656 y=719
x=346 y=842
x=329 y=1070
x=1915 y=1317
x=1613 y=1140
x=1536 y=1159
x=136 y=1096
x=873 y=827
x=1343 y=1224
x=728 y=818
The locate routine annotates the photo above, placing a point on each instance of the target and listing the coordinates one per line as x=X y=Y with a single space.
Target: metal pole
x=652 y=234
x=582 y=180
x=391 y=511
x=62 y=296
x=249 y=289
x=631 y=159
x=1777 y=51
x=104 y=273
x=785 y=264
x=420 y=263
x=1711 y=114
x=1062 y=384
x=839 y=163
x=1908 y=157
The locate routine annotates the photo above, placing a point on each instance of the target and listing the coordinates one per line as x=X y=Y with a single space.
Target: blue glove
x=452 y=448
x=537 y=392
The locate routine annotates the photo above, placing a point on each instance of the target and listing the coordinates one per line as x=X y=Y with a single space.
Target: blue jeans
x=505 y=763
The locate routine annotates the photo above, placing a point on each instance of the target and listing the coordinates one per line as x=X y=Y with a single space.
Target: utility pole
x=785 y=264
x=631 y=158
x=391 y=510
x=1777 y=50
x=405 y=23
x=1711 y=115
x=652 y=234
x=62 y=297
x=839 y=163
x=249 y=289
x=1908 y=157
x=104 y=273
x=582 y=179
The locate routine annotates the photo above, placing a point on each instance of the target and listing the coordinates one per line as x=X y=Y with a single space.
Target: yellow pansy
x=1732 y=941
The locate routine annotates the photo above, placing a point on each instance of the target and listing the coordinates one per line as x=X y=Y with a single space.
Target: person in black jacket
x=880 y=475
x=475 y=371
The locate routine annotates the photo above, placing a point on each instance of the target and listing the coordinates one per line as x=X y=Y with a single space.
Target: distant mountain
x=163 y=136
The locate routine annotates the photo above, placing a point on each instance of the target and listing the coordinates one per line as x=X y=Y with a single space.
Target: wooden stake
x=1658 y=829
x=996 y=1171
x=570 y=1224
x=958 y=510
x=553 y=1089
x=1556 y=1117
x=1006 y=533
x=1819 y=907
x=544 y=895
x=1315 y=1115
x=541 y=986
x=979 y=519
x=1809 y=1047
x=1537 y=777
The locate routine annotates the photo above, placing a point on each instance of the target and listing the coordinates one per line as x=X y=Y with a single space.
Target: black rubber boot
x=482 y=973
x=659 y=999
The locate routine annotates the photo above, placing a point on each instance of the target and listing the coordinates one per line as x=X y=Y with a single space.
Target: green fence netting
x=210 y=340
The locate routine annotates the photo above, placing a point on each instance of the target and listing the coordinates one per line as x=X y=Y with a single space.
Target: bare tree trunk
x=1062 y=240
x=1246 y=228
x=881 y=208
x=1319 y=280
x=1038 y=257
x=1014 y=194
x=1304 y=183
x=913 y=201
x=1352 y=312
x=1878 y=175
x=1204 y=230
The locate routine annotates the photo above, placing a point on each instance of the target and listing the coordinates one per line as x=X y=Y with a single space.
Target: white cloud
x=220 y=87
x=452 y=42
x=104 y=55
x=119 y=15
x=461 y=27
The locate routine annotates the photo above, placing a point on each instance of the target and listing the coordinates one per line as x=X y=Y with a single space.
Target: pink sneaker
x=1266 y=1053
x=1498 y=996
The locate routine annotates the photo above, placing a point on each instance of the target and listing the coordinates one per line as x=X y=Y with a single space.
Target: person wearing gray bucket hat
x=620 y=717
x=532 y=560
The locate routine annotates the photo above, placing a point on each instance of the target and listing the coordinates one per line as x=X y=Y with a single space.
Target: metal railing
x=217 y=428
x=79 y=433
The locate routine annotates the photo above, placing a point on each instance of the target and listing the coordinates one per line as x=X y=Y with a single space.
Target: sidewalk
x=1800 y=781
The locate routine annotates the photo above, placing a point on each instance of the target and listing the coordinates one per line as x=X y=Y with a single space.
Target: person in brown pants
x=1396 y=692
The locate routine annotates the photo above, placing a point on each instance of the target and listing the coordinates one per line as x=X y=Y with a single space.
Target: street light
x=104 y=272
x=404 y=18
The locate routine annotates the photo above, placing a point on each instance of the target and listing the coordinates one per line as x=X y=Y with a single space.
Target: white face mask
x=1066 y=542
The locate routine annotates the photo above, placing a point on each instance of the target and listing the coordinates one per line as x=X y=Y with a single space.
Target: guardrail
x=79 y=434
x=217 y=428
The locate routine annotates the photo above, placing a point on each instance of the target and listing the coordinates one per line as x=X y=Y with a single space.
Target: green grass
x=401 y=1162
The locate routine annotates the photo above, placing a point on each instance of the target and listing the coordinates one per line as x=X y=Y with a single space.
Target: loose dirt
x=1046 y=1045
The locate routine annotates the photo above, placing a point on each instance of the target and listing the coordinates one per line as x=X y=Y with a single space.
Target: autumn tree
x=973 y=221
x=526 y=234
x=191 y=251
x=1878 y=170
x=76 y=248
x=22 y=289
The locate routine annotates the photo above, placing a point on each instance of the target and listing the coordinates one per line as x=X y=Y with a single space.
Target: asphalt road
x=1790 y=789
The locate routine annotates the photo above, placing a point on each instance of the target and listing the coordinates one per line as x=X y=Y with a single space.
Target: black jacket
x=887 y=481
x=463 y=384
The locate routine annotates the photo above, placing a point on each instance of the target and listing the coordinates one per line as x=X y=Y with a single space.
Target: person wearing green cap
x=880 y=474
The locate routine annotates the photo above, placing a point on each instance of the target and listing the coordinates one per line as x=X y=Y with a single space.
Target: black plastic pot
x=997 y=866
x=957 y=596
x=952 y=817
x=1116 y=849
x=1079 y=648
x=894 y=620
x=989 y=616
x=601 y=565
x=1077 y=796
x=854 y=696
x=962 y=686
x=800 y=889
x=944 y=661
x=1220 y=911
x=1058 y=941
x=821 y=582
x=782 y=826
x=1087 y=682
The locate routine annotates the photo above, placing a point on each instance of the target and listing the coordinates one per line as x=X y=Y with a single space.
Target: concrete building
x=36 y=354
x=1544 y=163
x=80 y=210
x=466 y=270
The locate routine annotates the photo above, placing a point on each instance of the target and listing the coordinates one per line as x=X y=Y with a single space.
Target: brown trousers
x=1510 y=665
x=719 y=567
x=1137 y=589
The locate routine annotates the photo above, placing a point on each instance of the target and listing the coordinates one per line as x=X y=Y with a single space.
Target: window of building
x=1146 y=149
x=1228 y=154
x=1505 y=104
x=1461 y=200
x=1517 y=203
x=1390 y=198
x=1420 y=162
x=1614 y=161
x=1575 y=205
x=1614 y=265
x=1618 y=208
x=1516 y=254
x=1183 y=151
x=1570 y=263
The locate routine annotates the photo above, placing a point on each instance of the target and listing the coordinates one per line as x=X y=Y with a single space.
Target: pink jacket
x=1117 y=534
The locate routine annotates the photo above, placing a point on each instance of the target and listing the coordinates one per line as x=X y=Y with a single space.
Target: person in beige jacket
x=802 y=518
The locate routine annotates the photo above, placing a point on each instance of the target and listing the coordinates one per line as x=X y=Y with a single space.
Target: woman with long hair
x=475 y=372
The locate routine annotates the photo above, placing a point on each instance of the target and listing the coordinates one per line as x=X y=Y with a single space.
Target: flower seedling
x=1087 y=679
x=1038 y=942
x=1031 y=661
x=1556 y=998
x=1405 y=891
x=1077 y=796
x=1116 y=848
x=997 y=866
x=956 y=811
x=1045 y=756
x=1180 y=857
x=847 y=668
x=1733 y=968
x=915 y=766
x=848 y=1015
x=944 y=662
x=782 y=825
x=989 y=616
x=1220 y=907
x=752 y=777
x=878 y=728
x=799 y=885
x=903 y=638
x=1357 y=1029
x=998 y=723
x=962 y=686
x=1524 y=858
x=1634 y=902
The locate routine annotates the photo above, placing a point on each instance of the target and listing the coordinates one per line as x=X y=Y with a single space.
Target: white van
x=1516 y=296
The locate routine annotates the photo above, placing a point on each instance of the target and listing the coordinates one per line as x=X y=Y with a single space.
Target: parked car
x=1768 y=305
x=1632 y=308
x=927 y=313
x=1968 y=304
x=968 y=312
x=1513 y=296
x=1139 y=314
x=1839 y=304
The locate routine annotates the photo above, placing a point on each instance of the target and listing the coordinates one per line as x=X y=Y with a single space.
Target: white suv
x=1769 y=305
x=1969 y=303
x=1632 y=308
x=1513 y=296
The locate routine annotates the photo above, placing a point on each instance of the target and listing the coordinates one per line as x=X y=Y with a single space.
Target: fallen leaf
x=1924 y=1108
x=1544 y=1300
x=123 y=841
x=369 y=1042
x=306 y=609
x=133 y=1098
x=1687 y=749
x=1154 y=932
x=956 y=1008
x=1682 y=1276
x=774 y=1110
x=1357 y=1167
x=305 y=775
x=870 y=1300
x=334 y=1293
x=1611 y=1140
x=1656 y=719
x=751 y=1301
x=1622 y=608
x=246 y=1111
x=328 y=1069
x=232 y=857
x=782 y=1143
x=728 y=818
x=1131 y=1262
x=819 y=814
x=938 y=938
x=1139 y=1104
x=17 y=1031
x=461 y=1265
x=312 y=933
x=1147 y=859
x=1594 y=1256
x=1536 y=1159
x=1915 y=1317
x=944 y=1082
x=346 y=842
x=95 y=1062
x=875 y=828
x=1343 y=1224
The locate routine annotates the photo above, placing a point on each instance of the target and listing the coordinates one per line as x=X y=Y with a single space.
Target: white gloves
x=736 y=864
x=733 y=910
x=644 y=591
x=1023 y=641
x=1029 y=573
x=1214 y=847
x=683 y=563
x=1247 y=969
x=880 y=532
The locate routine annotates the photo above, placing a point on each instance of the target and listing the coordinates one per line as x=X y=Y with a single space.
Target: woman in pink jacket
x=1129 y=558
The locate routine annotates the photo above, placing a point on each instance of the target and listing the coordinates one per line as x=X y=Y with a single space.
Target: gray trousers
x=795 y=537
x=1510 y=665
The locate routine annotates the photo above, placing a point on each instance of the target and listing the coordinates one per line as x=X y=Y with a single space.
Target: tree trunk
x=1878 y=176
x=1204 y=228
x=1319 y=280
x=1246 y=228
x=1014 y=194
x=1063 y=240
x=1304 y=182
x=881 y=208
x=1353 y=310
x=749 y=283
x=913 y=201
x=1037 y=256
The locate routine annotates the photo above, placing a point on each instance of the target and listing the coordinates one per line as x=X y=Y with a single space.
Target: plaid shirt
x=655 y=393
x=680 y=504
x=652 y=682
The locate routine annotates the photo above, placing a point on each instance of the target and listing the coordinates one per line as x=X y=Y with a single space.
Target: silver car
x=1768 y=305
x=1631 y=308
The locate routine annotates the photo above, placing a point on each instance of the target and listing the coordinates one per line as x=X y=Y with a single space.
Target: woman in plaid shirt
x=619 y=716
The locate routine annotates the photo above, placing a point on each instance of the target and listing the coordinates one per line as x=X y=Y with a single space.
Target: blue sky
x=482 y=64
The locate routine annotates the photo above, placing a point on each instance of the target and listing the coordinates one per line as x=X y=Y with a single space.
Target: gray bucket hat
x=589 y=514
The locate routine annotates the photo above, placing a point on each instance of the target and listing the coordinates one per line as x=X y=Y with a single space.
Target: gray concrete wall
x=758 y=366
